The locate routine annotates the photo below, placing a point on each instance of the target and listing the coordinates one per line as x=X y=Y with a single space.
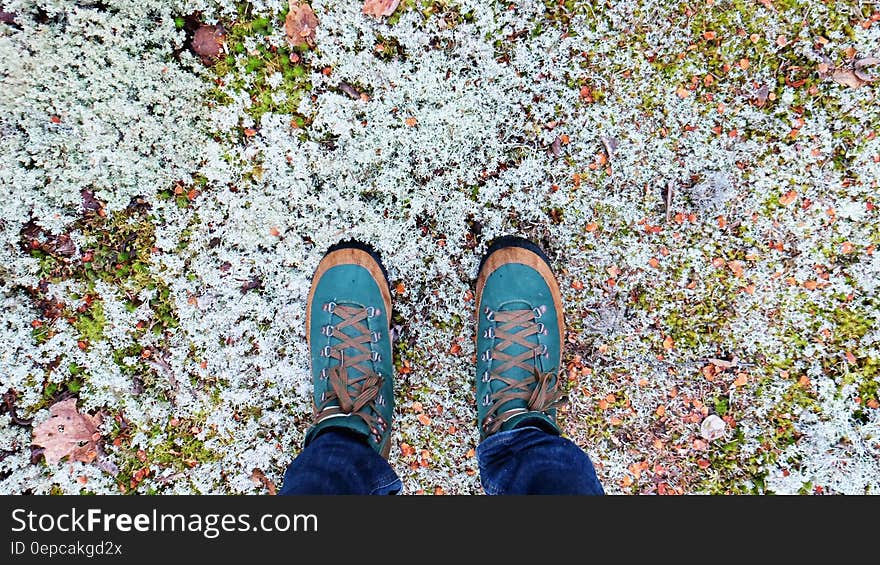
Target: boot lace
x=352 y=392
x=540 y=390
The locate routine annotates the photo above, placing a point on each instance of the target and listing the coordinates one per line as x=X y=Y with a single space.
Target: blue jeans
x=525 y=460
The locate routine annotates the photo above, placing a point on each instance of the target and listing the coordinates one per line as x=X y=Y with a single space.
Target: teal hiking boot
x=347 y=324
x=520 y=331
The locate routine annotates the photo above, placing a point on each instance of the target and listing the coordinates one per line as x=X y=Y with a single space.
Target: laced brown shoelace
x=540 y=392
x=354 y=395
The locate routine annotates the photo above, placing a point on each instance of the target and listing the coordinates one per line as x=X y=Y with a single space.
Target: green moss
x=259 y=65
x=90 y=323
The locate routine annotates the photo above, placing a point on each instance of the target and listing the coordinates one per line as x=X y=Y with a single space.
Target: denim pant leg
x=339 y=462
x=529 y=460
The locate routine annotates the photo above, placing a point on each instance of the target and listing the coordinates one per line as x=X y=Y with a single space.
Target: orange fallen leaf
x=709 y=35
x=455 y=349
x=703 y=463
x=411 y=121
x=300 y=24
x=744 y=63
x=741 y=380
x=654 y=262
x=406 y=449
x=736 y=267
x=470 y=453
x=661 y=411
x=626 y=481
x=380 y=8
x=577 y=285
x=810 y=284
x=668 y=343
x=788 y=197
x=591 y=227
x=400 y=288
x=615 y=421
x=68 y=433
x=424 y=419
x=850 y=358
x=682 y=92
x=274 y=232
x=847 y=247
x=873 y=403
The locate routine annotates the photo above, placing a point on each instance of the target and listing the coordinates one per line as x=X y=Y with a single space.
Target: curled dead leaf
x=68 y=433
x=610 y=144
x=260 y=478
x=207 y=43
x=556 y=147
x=857 y=76
x=861 y=64
x=380 y=8
x=300 y=25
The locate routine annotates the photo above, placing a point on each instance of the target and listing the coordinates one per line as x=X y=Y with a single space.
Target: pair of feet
x=519 y=337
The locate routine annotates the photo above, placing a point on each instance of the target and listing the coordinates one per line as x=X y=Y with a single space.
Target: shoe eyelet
x=541 y=352
x=486 y=355
x=539 y=311
x=542 y=329
x=330 y=307
x=323 y=396
x=490 y=315
x=489 y=333
x=327 y=330
x=372 y=311
x=380 y=400
x=376 y=356
x=324 y=374
x=486 y=400
x=486 y=377
x=375 y=337
x=325 y=352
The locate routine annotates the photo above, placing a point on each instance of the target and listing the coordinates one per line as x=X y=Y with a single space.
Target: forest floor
x=703 y=176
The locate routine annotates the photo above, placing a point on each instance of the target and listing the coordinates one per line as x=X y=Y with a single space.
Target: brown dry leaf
x=259 y=477
x=379 y=8
x=300 y=25
x=857 y=76
x=847 y=77
x=788 y=197
x=207 y=43
x=723 y=363
x=863 y=63
x=68 y=433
